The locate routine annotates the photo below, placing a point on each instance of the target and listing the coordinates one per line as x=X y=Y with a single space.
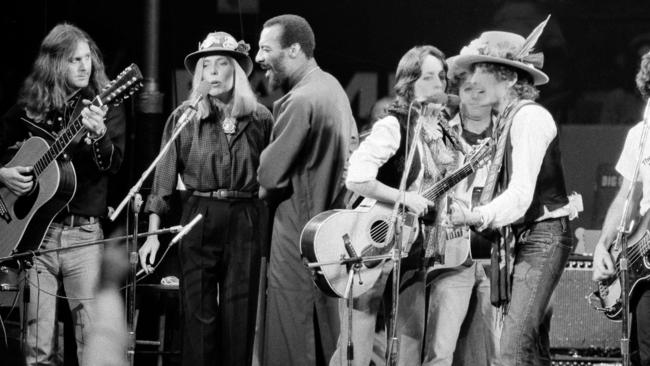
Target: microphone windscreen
x=449 y=100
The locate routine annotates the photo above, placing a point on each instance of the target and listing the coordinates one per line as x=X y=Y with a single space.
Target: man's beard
x=277 y=76
x=279 y=81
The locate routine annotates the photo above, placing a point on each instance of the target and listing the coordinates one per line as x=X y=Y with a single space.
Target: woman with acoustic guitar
x=374 y=172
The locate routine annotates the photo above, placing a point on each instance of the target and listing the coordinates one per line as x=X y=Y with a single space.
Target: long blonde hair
x=243 y=101
x=46 y=88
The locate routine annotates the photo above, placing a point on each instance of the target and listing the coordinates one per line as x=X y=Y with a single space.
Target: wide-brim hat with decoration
x=221 y=43
x=504 y=48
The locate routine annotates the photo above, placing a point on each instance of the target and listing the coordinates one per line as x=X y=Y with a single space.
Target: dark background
x=591 y=46
x=592 y=50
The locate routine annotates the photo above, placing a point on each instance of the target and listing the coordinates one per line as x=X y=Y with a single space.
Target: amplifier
x=575 y=324
x=8 y=286
x=585 y=361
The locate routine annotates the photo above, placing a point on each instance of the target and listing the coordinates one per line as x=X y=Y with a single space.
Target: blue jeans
x=410 y=319
x=77 y=270
x=461 y=323
x=541 y=252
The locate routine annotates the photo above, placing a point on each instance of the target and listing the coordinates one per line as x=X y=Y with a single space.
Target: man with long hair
x=216 y=156
x=524 y=196
x=302 y=172
x=603 y=262
x=67 y=72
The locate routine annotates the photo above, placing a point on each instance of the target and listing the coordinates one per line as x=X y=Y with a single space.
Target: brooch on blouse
x=229 y=125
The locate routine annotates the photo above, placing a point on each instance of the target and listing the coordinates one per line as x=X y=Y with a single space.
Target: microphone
x=186 y=229
x=182 y=231
x=448 y=100
x=201 y=91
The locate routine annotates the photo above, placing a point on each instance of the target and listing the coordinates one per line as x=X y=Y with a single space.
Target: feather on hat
x=504 y=48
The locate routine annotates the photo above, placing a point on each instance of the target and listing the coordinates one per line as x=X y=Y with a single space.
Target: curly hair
x=46 y=88
x=295 y=29
x=523 y=88
x=409 y=70
x=643 y=76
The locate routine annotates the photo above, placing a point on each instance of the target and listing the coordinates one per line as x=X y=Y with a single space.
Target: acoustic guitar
x=368 y=231
x=24 y=219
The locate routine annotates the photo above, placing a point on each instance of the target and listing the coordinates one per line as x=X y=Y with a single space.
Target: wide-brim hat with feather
x=504 y=48
x=221 y=43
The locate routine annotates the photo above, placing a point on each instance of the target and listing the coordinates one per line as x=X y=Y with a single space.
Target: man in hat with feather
x=524 y=199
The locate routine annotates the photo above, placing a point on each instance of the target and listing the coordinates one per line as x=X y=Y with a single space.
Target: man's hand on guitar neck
x=603 y=267
x=92 y=118
x=18 y=179
x=417 y=204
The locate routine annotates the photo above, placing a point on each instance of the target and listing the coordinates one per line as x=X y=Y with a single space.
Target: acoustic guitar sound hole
x=378 y=231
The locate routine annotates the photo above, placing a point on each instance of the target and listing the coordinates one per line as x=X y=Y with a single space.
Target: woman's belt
x=224 y=194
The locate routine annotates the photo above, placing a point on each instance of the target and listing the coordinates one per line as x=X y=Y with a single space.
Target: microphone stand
x=132 y=249
x=137 y=202
x=32 y=253
x=621 y=243
x=131 y=242
x=392 y=351
x=354 y=263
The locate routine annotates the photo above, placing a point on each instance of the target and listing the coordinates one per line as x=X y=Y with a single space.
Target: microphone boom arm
x=136 y=187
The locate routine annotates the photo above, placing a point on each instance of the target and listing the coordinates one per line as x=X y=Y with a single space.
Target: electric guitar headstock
x=481 y=154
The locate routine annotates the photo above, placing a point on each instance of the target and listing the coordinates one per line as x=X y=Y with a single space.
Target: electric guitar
x=24 y=219
x=368 y=231
x=609 y=291
x=460 y=242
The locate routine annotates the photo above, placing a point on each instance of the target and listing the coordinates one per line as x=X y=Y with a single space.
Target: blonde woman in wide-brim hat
x=216 y=156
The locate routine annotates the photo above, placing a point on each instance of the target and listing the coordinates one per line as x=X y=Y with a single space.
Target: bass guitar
x=24 y=219
x=368 y=231
x=609 y=291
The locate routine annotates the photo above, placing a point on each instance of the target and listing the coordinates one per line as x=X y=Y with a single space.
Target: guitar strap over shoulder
x=502 y=253
x=501 y=133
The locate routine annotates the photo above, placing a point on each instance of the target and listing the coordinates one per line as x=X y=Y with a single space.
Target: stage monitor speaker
x=575 y=324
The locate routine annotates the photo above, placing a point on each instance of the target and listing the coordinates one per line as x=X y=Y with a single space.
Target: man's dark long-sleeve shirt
x=94 y=161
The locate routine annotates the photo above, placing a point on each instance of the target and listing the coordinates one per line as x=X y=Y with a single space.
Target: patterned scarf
x=442 y=153
x=502 y=256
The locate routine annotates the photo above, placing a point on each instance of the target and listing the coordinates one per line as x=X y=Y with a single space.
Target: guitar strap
x=502 y=253
x=76 y=112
